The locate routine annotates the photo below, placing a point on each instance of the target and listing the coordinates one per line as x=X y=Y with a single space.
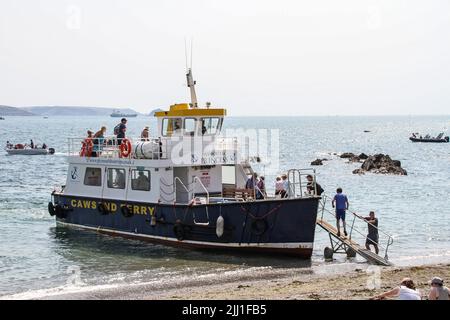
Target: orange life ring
x=125 y=148
x=87 y=147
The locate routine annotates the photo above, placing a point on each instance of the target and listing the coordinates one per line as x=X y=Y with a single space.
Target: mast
x=191 y=84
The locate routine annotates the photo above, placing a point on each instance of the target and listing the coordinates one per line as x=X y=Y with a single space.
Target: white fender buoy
x=219 y=226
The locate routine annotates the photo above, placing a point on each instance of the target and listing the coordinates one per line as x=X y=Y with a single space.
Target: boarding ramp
x=349 y=244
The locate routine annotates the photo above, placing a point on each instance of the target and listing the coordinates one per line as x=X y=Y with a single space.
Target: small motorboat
x=28 y=151
x=438 y=139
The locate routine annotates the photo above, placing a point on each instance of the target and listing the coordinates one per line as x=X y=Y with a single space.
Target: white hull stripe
x=281 y=245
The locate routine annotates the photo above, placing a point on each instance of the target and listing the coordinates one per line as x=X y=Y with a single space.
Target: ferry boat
x=166 y=191
x=118 y=114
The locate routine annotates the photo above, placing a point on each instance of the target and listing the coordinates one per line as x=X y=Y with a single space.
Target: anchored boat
x=20 y=149
x=415 y=137
x=118 y=114
x=186 y=188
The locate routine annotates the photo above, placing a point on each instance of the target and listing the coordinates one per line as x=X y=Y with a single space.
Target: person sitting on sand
x=406 y=291
x=438 y=291
x=340 y=202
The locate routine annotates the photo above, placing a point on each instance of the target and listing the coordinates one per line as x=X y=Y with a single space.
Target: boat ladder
x=347 y=245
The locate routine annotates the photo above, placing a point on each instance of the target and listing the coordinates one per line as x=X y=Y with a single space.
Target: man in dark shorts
x=340 y=202
x=372 y=236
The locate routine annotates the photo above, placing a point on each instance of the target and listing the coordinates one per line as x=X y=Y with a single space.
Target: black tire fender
x=51 y=209
x=126 y=212
x=259 y=226
x=179 y=231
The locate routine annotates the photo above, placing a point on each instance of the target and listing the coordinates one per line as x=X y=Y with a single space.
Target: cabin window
x=189 y=126
x=211 y=126
x=171 y=126
x=93 y=177
x=140 y=180
x=116 y=178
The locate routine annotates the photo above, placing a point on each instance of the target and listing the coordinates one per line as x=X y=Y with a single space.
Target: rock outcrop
x=381 y=163
x=317 y=162
x=347 y=155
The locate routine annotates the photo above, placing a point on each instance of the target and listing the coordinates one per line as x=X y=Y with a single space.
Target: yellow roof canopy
x=183 y=110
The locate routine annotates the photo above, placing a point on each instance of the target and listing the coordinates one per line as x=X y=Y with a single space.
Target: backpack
x=117 y=129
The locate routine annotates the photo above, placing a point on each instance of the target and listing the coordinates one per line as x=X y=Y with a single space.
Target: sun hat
x=437 y=280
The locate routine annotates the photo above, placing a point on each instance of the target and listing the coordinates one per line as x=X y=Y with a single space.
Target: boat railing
x=197 y=181
x=298 y=184
x=108 y=147
x=215 y=151
x=388 y=240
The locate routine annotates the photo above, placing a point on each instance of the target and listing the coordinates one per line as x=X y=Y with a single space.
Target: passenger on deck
x=9 y=145
x=310 y=186
x=285 y=192
x=144 y=134
x=372 y=236
x=44 y=146
x=438 y=291
x=98 y=140
x=406 y=291
x=251 y=182
x=279 y=186
x=261 y=191
x=340 y=202
x=89 y=134
x=120 y=129
x=31 y=144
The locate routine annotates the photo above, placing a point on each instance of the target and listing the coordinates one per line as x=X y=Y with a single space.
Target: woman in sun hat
x=438 y=291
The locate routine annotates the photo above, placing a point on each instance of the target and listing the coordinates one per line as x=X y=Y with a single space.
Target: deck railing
x=218 y=150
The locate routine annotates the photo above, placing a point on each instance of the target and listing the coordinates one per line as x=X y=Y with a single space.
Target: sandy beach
x=354 y=285
x=326 y=282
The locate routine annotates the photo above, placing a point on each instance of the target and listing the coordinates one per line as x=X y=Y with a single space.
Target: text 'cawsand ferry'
x=185 y=189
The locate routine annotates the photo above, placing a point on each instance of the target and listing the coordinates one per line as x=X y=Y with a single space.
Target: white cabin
x=188 y=160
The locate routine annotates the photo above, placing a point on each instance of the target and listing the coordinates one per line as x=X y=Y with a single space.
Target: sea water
x=37 y=259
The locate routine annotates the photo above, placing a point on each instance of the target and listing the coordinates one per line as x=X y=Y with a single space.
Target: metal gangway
x=346 y=244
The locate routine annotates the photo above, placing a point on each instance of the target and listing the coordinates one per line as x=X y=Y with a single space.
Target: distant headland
x=60 y=111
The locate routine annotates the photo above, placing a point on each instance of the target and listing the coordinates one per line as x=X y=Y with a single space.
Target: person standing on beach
x=372 y=236
x=340 y=202
x=438 y=291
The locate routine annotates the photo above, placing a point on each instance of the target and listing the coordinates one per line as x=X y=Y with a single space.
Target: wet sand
x=357 y=284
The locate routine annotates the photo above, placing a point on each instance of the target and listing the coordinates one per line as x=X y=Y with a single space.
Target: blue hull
x=271 y=226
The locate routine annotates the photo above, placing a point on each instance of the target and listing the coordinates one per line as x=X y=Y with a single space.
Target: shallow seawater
x=37 y=258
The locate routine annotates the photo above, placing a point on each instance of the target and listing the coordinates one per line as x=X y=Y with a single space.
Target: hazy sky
x=282 y=57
